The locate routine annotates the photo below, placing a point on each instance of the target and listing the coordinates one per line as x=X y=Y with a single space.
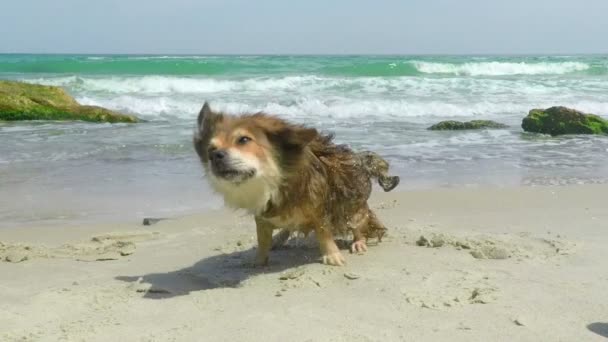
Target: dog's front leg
x=331 y=255
x=264 y=231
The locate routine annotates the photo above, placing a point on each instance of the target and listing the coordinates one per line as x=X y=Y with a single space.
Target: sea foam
x=500 y=68
x=322 y=110
x=312 y=85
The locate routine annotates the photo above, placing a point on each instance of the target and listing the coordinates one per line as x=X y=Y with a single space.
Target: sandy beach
x=481 y=264
x=128 y=129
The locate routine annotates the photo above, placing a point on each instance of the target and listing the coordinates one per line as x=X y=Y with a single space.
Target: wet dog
x=291 y=177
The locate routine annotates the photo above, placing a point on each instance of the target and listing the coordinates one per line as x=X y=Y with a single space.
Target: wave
x=142 y=85
x=340 y=97
x=322 y=110
x=500 y=68
x=316 y=85
x=184 y=85
x=145 y=58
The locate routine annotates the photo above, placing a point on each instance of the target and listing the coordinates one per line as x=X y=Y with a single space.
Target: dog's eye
x=243 y=140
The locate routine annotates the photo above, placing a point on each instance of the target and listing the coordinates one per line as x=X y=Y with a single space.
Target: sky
x=304 y=27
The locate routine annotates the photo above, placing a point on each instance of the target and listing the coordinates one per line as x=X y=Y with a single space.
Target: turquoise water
x=347 y=66
x=77 y=171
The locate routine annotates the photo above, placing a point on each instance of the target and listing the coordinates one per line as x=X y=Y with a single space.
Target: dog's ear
x=204 y=115
x=207 y=118
x=291 y=140
x=284 y=134
x=297 y=136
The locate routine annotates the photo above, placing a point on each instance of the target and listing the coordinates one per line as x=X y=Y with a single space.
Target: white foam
x=316 y=86
x=174 y=84
x=500 y=68
x=323 y=98
x=151 y=107
x=145 y=58
x=324 y=110
x=144 y=84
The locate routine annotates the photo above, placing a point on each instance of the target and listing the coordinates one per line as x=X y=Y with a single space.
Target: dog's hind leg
x=279 y=239
x=359 y=225
x=375 y=227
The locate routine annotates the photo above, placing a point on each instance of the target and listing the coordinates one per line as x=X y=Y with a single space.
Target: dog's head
x=247 y=157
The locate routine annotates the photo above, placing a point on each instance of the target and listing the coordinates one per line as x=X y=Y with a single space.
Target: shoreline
x=66 y=208
x=110 y=217
x=524 y=263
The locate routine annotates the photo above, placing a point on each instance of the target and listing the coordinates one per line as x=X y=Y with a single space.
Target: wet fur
x=304 y=181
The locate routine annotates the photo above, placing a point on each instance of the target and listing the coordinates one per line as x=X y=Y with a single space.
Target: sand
x=525 y=264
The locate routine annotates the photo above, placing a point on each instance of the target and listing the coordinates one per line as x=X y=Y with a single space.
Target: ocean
x=57 y=173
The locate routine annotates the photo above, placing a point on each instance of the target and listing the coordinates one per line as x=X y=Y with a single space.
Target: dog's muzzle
x=223 y=167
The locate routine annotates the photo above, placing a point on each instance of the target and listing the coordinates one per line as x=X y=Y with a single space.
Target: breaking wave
x=500 y=68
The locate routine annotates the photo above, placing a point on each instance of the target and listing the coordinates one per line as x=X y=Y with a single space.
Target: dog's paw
x=334 y=259
x=358 y=247
x=260 y=261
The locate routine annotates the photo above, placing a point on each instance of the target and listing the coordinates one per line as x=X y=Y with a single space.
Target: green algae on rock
x=563 y=120
x=452 y=125
x=25 y=101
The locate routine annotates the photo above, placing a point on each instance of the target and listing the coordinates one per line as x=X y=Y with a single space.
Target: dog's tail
x=377 y=168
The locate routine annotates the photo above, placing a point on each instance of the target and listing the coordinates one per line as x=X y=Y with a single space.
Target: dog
x=290 y=176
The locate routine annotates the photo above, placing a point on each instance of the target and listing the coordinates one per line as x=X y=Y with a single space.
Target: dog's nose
x=218 y=155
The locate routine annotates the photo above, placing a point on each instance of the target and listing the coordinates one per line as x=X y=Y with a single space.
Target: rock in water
x=148 y=221
x=562 y=120
x=25 y=101
x=452 y=125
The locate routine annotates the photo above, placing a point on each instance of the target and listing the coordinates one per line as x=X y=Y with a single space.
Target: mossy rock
x=25 y=101
x=562 y=120
x=452 y=125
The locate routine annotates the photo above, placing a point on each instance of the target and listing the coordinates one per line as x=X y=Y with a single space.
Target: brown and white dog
x=292 y=177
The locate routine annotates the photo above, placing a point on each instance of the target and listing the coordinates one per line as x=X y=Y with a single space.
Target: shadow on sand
x=227 y=270
x=599 y=328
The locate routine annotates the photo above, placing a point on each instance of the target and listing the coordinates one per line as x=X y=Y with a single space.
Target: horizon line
x=531 y=54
